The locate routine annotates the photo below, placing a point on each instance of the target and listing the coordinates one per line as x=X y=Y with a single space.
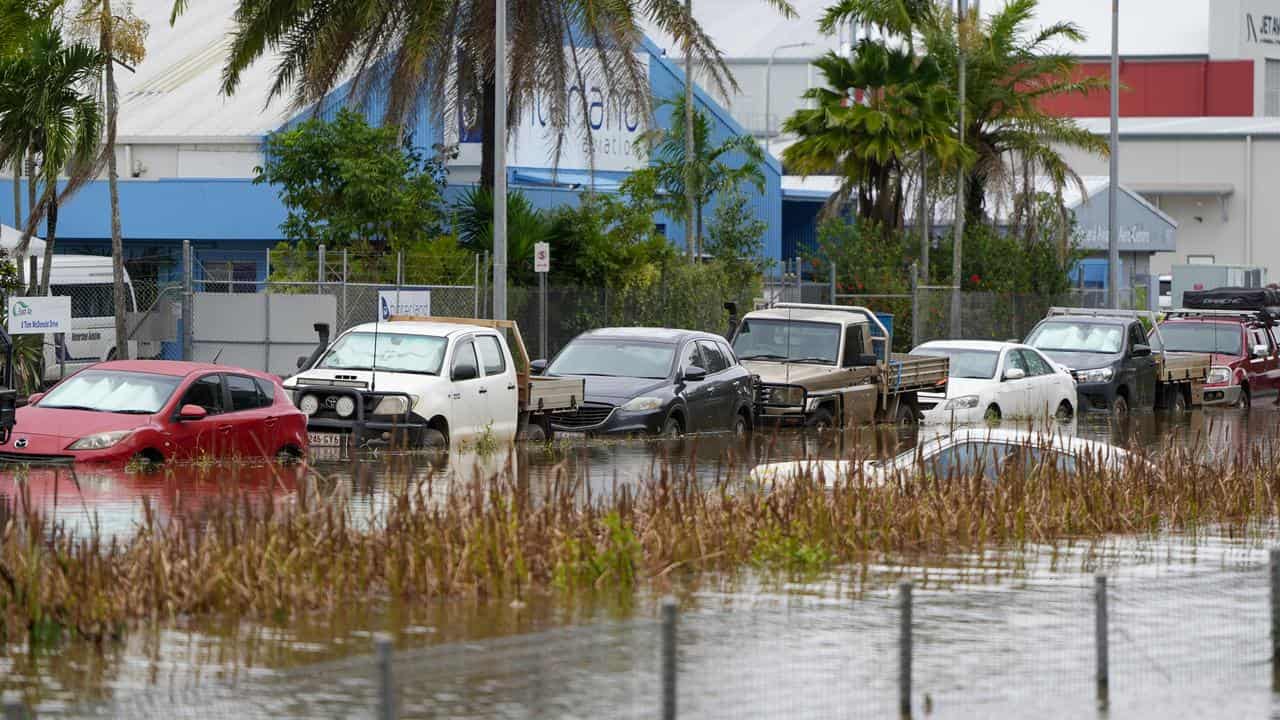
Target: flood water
x=998 y=633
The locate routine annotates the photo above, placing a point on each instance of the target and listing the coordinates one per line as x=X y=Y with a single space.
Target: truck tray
x=546 y=394
x=913 y=373
x=1183 y=367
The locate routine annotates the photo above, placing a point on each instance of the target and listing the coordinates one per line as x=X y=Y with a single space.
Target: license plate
x=569 y=434
x=326 y=440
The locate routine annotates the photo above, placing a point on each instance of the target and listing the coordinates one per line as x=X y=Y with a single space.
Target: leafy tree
x=735 y=236
x=1009 y=68
x=47 y=114
x=526 y=227
x=440 y=54
x=345 y=182
x=121 y=40
x=714 y=167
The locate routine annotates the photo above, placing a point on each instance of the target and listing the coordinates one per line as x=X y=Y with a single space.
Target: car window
x=610 y=357
x=690 y=357
x=969 y=457
x=963 y=362
x=464 y=360
x=1013 y=359
x=727 y=351
x=1201 y=337
x=713 y=357
x=491 y=355
x=1137 y=336
x=207 y=393
x=245 y=394
x=1258 y=336
x=268 y=390
x=808 y=342
x=1036 y=365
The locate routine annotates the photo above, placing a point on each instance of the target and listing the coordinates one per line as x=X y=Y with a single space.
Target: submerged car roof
x=648 y=334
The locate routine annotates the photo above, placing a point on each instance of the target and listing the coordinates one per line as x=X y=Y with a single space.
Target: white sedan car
x=986 y=451
x=995 y=380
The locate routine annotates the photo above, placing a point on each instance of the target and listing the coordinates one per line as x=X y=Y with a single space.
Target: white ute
x=426 y=382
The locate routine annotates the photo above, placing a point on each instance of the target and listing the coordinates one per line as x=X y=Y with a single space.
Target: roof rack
x=1266 y=316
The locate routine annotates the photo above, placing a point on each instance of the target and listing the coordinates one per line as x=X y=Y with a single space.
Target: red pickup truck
x=1246 y=355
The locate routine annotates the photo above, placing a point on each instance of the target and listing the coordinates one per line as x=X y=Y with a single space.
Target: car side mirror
x=1014 y=374
x=34 y=398
x=192 y=412
x=537 y=367
x=466 y=372
x=693 y=373
x=302 y=361
x=1261 y=351
x=1141 y=350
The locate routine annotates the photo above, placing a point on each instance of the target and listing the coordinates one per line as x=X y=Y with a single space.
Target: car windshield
x=615 y=358
x=1077 y=337
x=965 y=362
x=1201 y=337
x=395 y=352
x=813 y=342
x=109 y=391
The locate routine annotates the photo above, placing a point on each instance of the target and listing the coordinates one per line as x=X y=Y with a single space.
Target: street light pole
x=1113 y=218
x=958 y=221
x=768 y=89
x=500 y=162
x=691 y=238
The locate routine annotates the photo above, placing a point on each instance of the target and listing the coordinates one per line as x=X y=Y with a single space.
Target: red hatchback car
x=158 y=410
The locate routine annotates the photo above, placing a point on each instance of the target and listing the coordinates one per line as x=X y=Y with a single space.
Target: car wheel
x=992 y=415
x=433 y=439
x=741 y=425
x=1120 y=408
x=1245 y=401
x=672 y=427
x=906 y=414
x=1065 y=412
x=534 y=432
x=1177 y=402
x=821 y=420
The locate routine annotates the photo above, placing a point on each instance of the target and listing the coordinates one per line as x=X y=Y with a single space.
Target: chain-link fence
x=1154 y=641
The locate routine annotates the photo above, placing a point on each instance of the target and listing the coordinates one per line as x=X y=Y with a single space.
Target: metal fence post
x=475 y=289
x=904 y=649
x=1275 y=619
x=799 y=282
x=345 y=269
x=267 y=275
x=386 y=689
x=668 y=658
x=915 y=304
x=319 y=265
x=833 y=283
x=188 y=302
x=1100 y=634
x=542 y=314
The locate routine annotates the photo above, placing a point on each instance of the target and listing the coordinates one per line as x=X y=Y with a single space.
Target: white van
x=87 y=280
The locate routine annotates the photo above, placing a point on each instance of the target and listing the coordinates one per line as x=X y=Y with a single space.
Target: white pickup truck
x=426 y=382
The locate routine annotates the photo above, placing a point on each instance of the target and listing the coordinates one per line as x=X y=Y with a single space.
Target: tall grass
x=507 y=538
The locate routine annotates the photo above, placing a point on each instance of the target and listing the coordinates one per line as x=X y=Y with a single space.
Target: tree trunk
x=488 y=126
x=52 y=220
x=25 y=241
x=117 y=242
x=692 y=236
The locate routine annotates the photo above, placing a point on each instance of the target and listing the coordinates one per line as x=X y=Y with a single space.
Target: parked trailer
x=824 y=365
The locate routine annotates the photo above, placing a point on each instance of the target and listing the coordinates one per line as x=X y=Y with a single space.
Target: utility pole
x=1113 y=187
x=691 y=239
x=500 y=162
x=958 y=221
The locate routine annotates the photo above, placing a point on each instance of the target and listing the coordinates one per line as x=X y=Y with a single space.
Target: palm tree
x=1009 y=69
x=871 y=143
x=689 y=185
x=47 y=112
x=120 y=38
x=439 y=53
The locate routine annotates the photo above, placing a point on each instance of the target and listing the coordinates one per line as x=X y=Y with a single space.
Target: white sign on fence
x=39 y=315
x=403 y=302
x=542 y=257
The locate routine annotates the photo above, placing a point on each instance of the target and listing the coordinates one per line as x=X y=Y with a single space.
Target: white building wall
x=1202 y=228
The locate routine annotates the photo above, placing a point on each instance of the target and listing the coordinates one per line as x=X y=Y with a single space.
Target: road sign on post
x=542 y=266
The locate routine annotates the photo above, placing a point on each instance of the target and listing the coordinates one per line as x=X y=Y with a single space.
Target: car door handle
x=224 y=428
x=455 y=396
x=484 y=391
x=512 y=386
x=270 y=422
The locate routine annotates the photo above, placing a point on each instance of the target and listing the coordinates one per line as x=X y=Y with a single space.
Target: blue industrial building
x=187 y=154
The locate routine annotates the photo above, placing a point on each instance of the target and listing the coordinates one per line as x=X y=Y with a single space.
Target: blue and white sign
x=39 y=315
x=403 y=302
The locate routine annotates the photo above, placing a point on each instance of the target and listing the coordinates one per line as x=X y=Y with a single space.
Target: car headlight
x=642 y=404
x=965 y=402
x=1100 y=375
x=1219 y=376
x=394 y=405
x=309 y=405
x=100 y=441
x=345 y=406
x=786 y=395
